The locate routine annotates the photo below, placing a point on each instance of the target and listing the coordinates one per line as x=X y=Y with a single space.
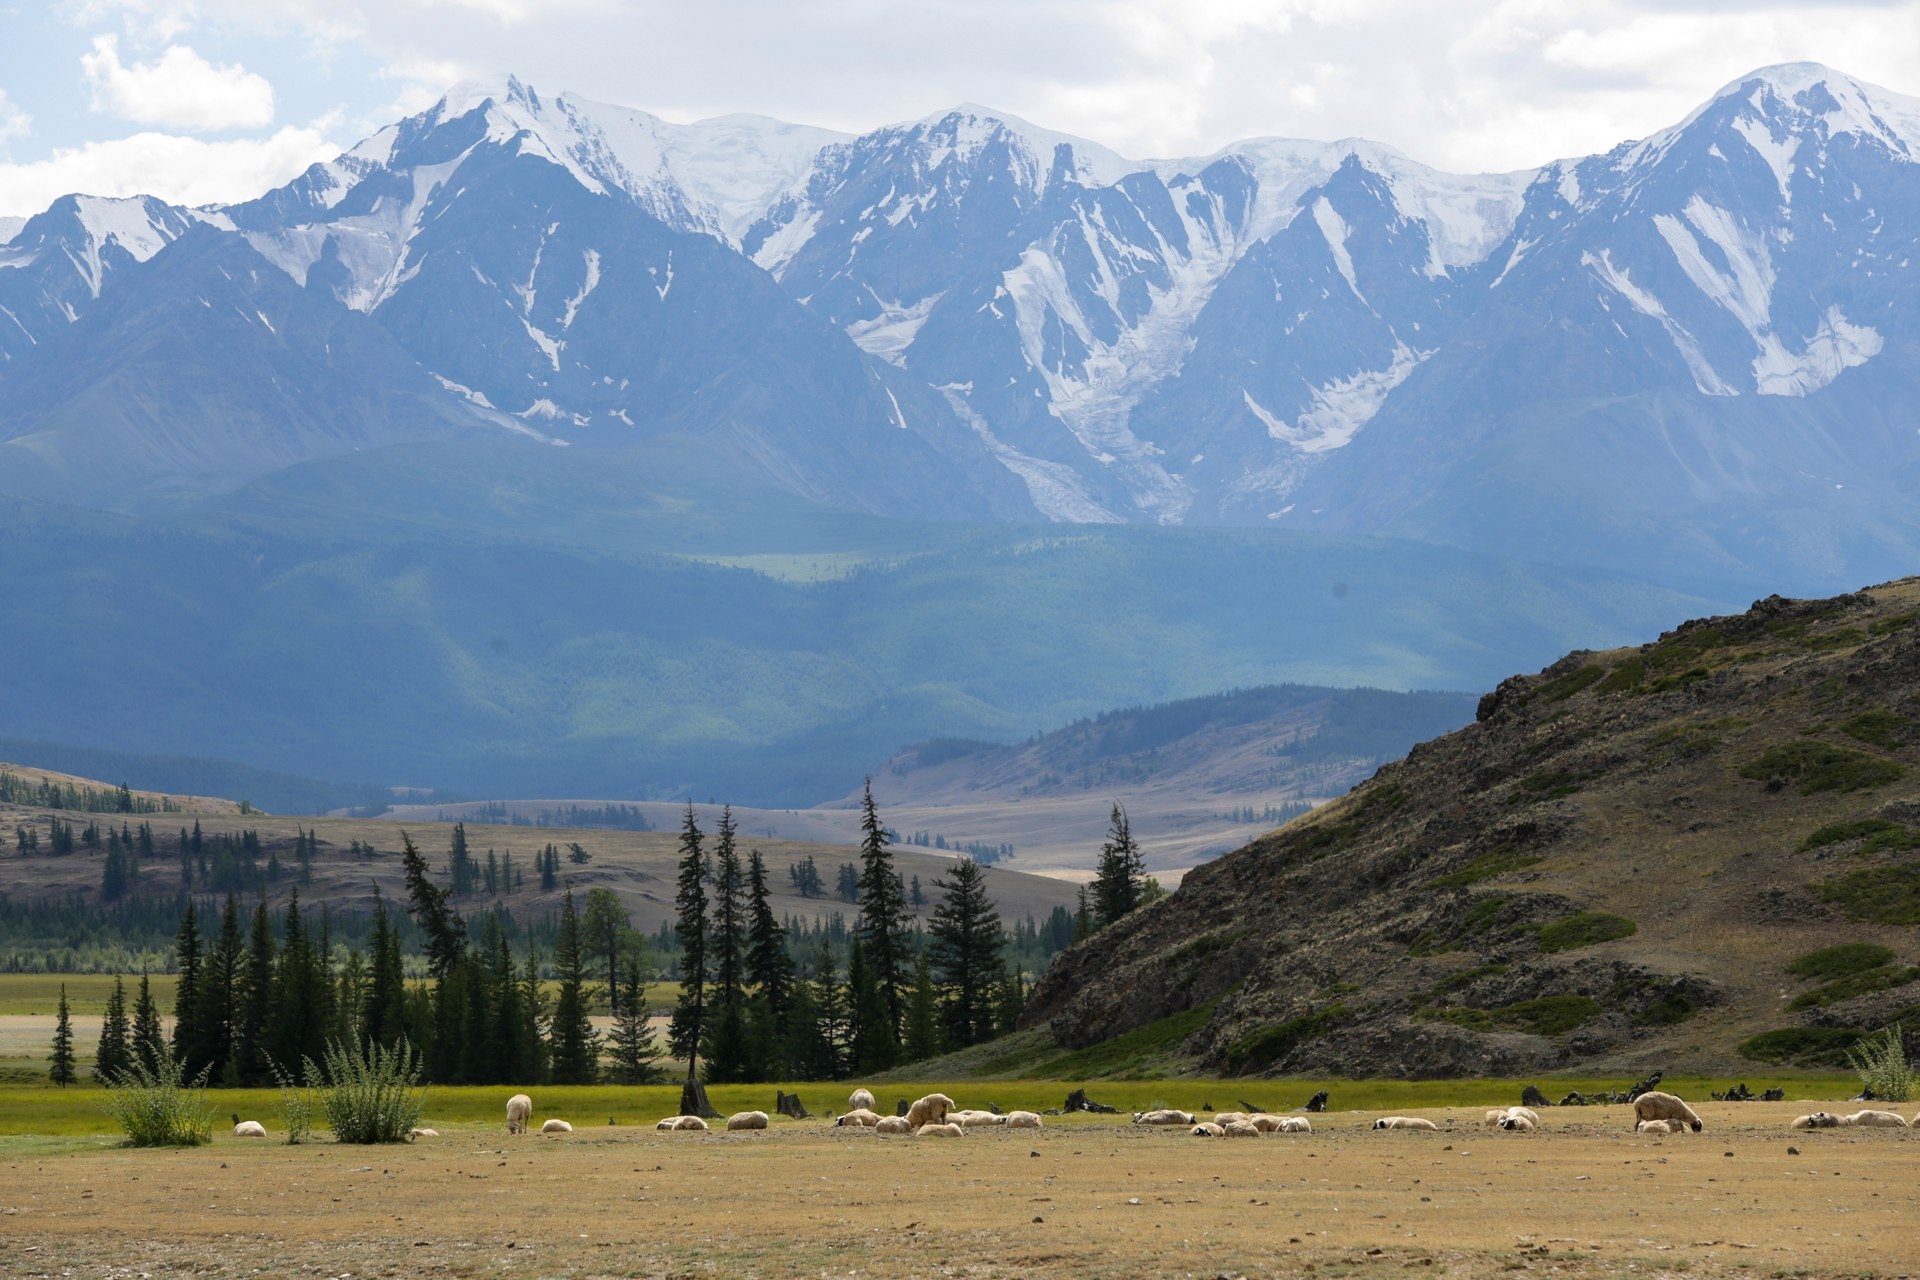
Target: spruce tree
x=883 y=919
x=533 y=1018
x=633 y=1047
x=824 y=1039
x=60 y=1068
x=383 y=1009
x=116 y=1050
x=221 y=972
x=445 y=932
x=769 y=966
x=922 y=1038
x=149 y=1045
x=966 y=941
x=250 y=1043
x=514 y=1060
x=1117 y=878
x=187 y=1038
x=690 y=902
x=294 y=1029
x=1082 y=916
x=604 y=925
x=873 y=1046
x=574 y=1044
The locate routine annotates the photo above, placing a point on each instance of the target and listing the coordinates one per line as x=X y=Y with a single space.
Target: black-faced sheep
x=1406 y=1122
x=248 y=1128
x=519 y=1111
x=939 y=1131
x=1164 y=1116
x=931 y=1109
x=1208 y=1129
x=556 y=1126
x=1818 y=1120
x=1516 y=1124
x=1871 y=1119
x=746 y=1120
x=1664 y=1106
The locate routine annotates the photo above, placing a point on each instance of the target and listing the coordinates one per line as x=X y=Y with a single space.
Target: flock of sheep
x=936 y=1116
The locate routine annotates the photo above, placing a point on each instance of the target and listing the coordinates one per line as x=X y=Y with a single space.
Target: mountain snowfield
x=1692 y=357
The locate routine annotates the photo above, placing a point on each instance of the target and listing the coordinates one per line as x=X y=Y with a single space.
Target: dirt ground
x=1585 y=1198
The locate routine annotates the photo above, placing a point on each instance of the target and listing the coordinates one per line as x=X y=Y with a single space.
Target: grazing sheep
x=1228 y=1117
x=1406 y=1122
x=556 y=1126
x=893 y=1124
x=1818 y=1120
x=248 y=1128
x=1517 y=1124
x=519 y=1111
x=931 y=1109
x=1660 y=1126
x=414 y=1135
x=1664 y=1106
x=858 y=1118
x=1240 y=1129
x=1871 y=1119
x=862 y=1100
x=1207 y=1129
x=1022 y=1120
x=939 y=1131
x=1295 y=1124
x=1162 y=1117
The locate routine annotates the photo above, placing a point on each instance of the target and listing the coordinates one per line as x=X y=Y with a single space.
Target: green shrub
x=1899 y=622
x=1549 y=1015
x=1667 y=1011
x=1625 y=676
x=1547 y=784
x=1679 y=681
x=1585 y=929
x=1888 y=895
x=1819 y=766
x=1880 y=835
x=1841 y=961
x=1878 y=729
x=1881 y=1060
x=295 y=1107
x=160 y=1108
x=369 y=1094
x=1560 y=688
x=1827 y=641
x=1466 y=978
x=1684 y=742
x=1884 y=978
x=1488 y=866
x=1263 y=1048
x=1471 y=1019
x=1800 y=1046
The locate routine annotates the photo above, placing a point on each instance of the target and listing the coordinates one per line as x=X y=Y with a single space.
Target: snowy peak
x=963 y=132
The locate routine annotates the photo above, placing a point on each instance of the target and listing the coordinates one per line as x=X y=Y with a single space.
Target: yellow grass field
x=1089 y=1197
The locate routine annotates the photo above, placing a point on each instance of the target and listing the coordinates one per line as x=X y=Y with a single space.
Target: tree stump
x=1079 y=1101
x=1249 y=1107
x=789 y=1104
x=900 y=1107
x=1532 y=1097
x=1318 y=1102
x=693 y=1100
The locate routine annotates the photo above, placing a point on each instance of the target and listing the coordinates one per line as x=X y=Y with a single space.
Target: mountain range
x=1689 y=358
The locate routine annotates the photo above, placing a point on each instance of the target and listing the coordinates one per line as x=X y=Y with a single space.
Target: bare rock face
x=1616 y=844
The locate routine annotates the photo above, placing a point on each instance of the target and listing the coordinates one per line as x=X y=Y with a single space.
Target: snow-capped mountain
x=1698 y=345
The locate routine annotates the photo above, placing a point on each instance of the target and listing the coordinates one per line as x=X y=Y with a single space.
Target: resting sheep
x=970 y=1118
x=939 y=1131
x=556 y=1126
x=673 y=1123
x=893 y=1124
x=1818 y=1120
x=1517 y=1124
x=414 y=1135
x=1494 y=1117
x=862 y=1100
x=248 y=1128
x=1266 y=1123
x=1207 y=1129
x=1240 y=1129
x=1228 y=1117
x=1660 y=1126
x=858 y=1118
x=746 y=1120
x=1162 y=1117
x=1295 y=1124
x=1406 y=1122
x=1871 y=1119
x=519 y=1111
x=931 y=1109
x=1023 y=1120
x=1664 y=1106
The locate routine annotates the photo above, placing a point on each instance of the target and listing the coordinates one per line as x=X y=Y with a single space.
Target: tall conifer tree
x=149 y=1045
x=965 y=940
x=250 y=1041
x=1119 y=875
x=575 y=1045
x=116 y=1049
x=882 y=929
x=690 y=902
x=60 y=1068
x=187 y=1039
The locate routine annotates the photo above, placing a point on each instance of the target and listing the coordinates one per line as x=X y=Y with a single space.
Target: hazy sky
x=209 y=100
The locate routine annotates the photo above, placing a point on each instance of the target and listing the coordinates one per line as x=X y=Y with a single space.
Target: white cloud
x=14 y=123
x=182 y=170
x=182 y=90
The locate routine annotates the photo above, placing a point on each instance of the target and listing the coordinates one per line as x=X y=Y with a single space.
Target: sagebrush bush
x=160 y=1108
x=369 y=1093
x=296 y=1106
x=1881 y=1060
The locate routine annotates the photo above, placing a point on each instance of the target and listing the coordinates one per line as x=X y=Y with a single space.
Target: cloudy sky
x=212 y=100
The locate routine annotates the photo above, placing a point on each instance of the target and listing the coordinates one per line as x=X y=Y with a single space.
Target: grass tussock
x=370 y=1094
x=159 y=1107
x=1881 y=1060
x=1884 y=895
x=1585 y=929
x=1820 y=766
x=1877 y=835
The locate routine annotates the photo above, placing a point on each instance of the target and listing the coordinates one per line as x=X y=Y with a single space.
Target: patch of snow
x=889 y=334
x=666 y=286
x=587 y=286
x=1777 y=152
x=10 y=227
x=464 y=392
x=1334 y=228
x=1835 y=346
x=1055 y=489
x=899 y=418
x=1705 y=379
x=266 y=322
x=1341 y=407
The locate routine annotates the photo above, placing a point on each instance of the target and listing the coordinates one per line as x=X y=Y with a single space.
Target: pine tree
x=883 y=923
x=575 y=1045
x=769 y=965
x=872 y=1044
x=514 y=1060
x=916 y=896
x=531 y=1033
x=548 y=862
x=966 y=941
x=446 y=932
x=60 y=1069
x=1117 y=878
x=250 y=1044
x=149 y=1045
x=1010 y=1001
x=460 y=862
x=294 y=1023
x=604 y=925
x=221 y=972
x=115 y=1053
x=1082 y=916
x=187 y=1037
x=823 y=1040
x=690 y=902
x=634 y=1049
x=727 y=1051
x=922 y=1039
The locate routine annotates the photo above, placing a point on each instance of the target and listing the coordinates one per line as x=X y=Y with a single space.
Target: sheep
x=1162 y=1117
x=690 y=1124
x=1874 y=1120
x=1661 y=1127
x=519 y=1111
x=1228 y=1117
x=893 y=1124
x=862 y=1100
x=1022 y=1120
x=939 y=1131
x=1494 y=1117
x=1207 y=1129
x=931 y=1109
x=859 y=1118
x=746 y=1120
x=414 y=1135
x=1266 y=1123
x=248 y=1128
x=1240 y=1129
x=1533 y=1117
x=556 y=1126
x=1406 y=1122
x=1295 y=1124
x=1818 y=1120
x=1664 y=1106
x=1517 y=1124
x=971 y=1118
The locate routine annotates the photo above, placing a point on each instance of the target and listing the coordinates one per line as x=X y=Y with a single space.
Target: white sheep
x=862 y=1100
x=248 y=1128
x=1871 y=1119
x=1494 y=1117
x=1023 y=1120
x=1517 y=1124
x=1406 y=1122
x=1295 y=1124
x=970 y=1118
x=519 y=1111
x=939 y=1131
x=860 y=1117
x=746 y=1120
x=893 y=1124
x=1166 y=1116
x=1228 y=1117
x=690 y=1124
x=1207 y=1129
x=931 y=1109
x=414 y=1135
x=1532 y=1116
x=1240 y=1129
x=1664 y=1106
x=1264 y=1122
x=1660 y=1127
x=1818 y=1120
x=556 y=1126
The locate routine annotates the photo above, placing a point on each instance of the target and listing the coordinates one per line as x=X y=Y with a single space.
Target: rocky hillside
x=1698 y=853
